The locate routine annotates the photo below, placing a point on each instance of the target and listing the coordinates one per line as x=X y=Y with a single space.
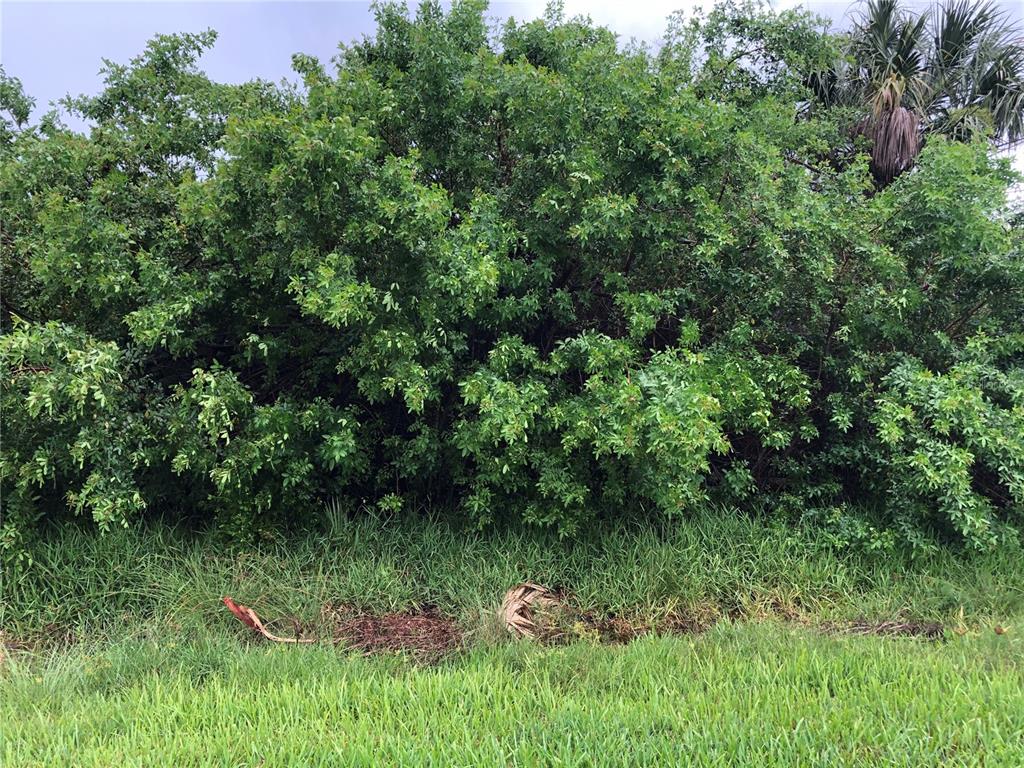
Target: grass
x=134 y=661
x=715 y=565
x=743 y=694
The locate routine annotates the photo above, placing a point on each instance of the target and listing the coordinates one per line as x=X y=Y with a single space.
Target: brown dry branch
x=248 y=616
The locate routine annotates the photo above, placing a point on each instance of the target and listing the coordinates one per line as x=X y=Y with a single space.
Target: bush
x=525 y=273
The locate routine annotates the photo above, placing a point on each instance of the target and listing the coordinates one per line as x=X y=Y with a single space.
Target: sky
x=57 y=48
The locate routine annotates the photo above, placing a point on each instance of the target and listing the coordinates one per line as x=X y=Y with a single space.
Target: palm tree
x=957 y=70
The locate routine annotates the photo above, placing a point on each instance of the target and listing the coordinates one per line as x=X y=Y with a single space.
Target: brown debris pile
x=425 y=634
x=927 y=630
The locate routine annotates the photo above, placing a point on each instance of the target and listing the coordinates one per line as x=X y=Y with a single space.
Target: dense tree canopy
x=524 y=273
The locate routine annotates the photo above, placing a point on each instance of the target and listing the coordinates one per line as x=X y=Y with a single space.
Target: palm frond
x=895 y=143
x=957 y=28
x=1002 y=88
x=957 y=70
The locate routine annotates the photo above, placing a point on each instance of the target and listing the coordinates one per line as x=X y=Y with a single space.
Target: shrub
x=527 y=273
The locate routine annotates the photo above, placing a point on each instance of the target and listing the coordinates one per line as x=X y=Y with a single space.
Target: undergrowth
x=720 y=564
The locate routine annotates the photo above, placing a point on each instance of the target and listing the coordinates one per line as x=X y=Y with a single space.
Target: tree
x=519 y=273
x=956 y=70
x=15 y=108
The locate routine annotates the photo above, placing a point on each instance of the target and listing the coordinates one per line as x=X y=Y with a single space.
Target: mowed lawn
x=757 y=693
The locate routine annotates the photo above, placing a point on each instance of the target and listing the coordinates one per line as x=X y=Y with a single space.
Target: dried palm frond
x=520 y=606
x=895 y=142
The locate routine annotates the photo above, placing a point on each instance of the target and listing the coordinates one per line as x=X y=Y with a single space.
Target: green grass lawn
x=746 y=694
x=129 y=658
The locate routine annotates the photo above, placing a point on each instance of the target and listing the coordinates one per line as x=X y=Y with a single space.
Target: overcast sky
x=56 y=48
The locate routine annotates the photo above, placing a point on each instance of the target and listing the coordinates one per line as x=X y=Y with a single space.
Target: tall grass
x=720 y=564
